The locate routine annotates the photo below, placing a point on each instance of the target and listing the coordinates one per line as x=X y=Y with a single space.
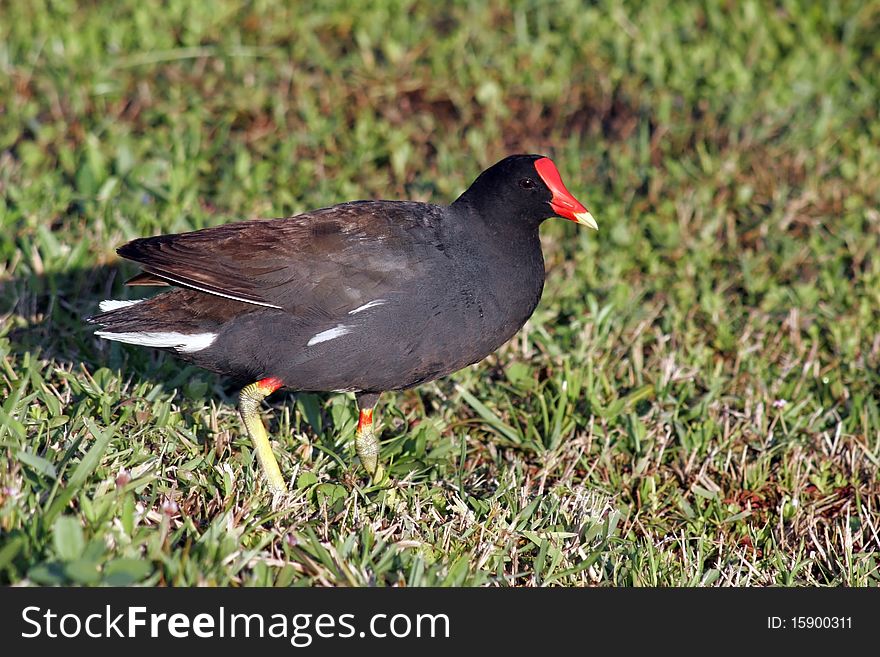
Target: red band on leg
x=269 y=384
x=365 y=418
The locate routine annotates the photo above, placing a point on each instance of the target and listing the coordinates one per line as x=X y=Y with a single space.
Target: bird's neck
x=476 y=212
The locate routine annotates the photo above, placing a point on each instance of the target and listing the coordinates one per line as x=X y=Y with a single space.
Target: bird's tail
x=156 y=322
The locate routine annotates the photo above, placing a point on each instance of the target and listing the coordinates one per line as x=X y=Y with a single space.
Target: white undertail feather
x=367 y=306
x=115 y=304
x=335 y=332
x=185 y=343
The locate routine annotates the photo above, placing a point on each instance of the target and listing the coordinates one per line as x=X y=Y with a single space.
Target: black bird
x=360 y=297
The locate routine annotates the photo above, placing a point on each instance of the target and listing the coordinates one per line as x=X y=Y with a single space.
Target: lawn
x=696 y=401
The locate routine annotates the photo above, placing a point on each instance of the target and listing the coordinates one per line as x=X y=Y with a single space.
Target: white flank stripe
x=337 y=331
x=367 y=306
x=215 y=293
x=115 y=304
x=186 y=343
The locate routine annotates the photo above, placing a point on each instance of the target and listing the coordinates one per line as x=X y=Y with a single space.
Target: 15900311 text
x=809 y=623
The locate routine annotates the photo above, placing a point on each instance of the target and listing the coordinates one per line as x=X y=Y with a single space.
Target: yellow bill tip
x=586 y=219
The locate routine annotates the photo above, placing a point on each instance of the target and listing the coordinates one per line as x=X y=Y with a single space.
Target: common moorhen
x=360 y=297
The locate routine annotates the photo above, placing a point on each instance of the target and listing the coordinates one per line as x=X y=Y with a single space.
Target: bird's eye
x=527 y=183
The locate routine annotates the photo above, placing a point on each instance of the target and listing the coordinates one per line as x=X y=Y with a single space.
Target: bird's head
x=525 y=186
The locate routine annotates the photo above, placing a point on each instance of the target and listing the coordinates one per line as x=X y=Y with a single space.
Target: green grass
x=696 y=400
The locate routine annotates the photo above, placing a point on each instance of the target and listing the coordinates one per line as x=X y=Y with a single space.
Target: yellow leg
x=249 y=405
x=366 y=442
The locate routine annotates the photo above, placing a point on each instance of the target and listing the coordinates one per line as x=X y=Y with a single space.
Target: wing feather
x=325 y=262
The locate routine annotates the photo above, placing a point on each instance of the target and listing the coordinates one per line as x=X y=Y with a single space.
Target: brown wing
x=148 y=280
x=328 y=261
